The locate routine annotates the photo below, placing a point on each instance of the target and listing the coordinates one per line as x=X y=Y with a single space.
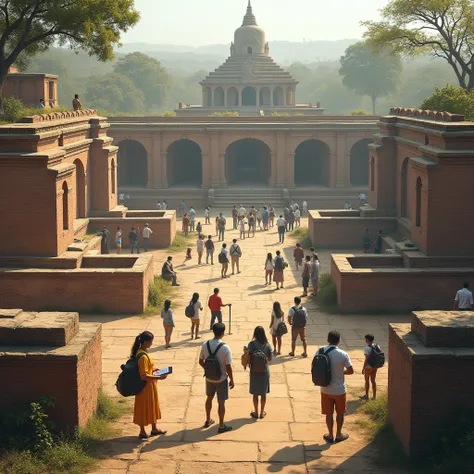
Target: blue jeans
x=192 y=226
x=134 y=246
x=281 y=234
x=235 y=222
x=221 y=234
x=145 y=243
x=216 y=315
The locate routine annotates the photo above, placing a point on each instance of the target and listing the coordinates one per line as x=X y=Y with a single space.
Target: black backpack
x=376 y=357
x=278 y=263
x=299 y=317
x=212 y=368
x=189 y=311
x=258 y=359
x=321 y=368
x=129 y=382
x=223 y=258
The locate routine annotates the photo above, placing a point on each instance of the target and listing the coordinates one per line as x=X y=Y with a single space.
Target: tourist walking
x=147 y=406
x=242 y=228
x=371 y=352
x=265 y=218
x=221 y=226
x=297 y=319
x=241 y=213
x=298 y=255
x=133 y=238
x=200 y=248
x=164 y=205
x=209 y=250
x=186 y=222
x=168 y=273
x=146 y=232
x=207 y=215
x=192 y=218
x=333 y=396
x=279 y=265
x=271 y=216
x=463 y=299
x=306 y=274
x=260 y=353
x=276 y=330
x=118 y=240
x=251 y=224
x=235 y=255
x=195 y=318
x=224 y=260
x=182 y=206
x=199 y=228
x=269 y=269
x=215 y=304
x=297 y=217
x=378 y=243
x=105 y=241
x=286 y=213
x=168 y=322
x=367 y=241
x=281 y=225
x=305 y=208
x=216 y=360
x=235 y=214
x=291 y=220
x=315 y=271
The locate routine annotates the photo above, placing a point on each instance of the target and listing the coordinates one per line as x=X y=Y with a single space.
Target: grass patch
x=160 y=290
x=180 y=243
x=30 y=446
x=301 y=234
x=327 y=293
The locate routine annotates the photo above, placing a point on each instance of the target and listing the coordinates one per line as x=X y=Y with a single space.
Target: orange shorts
x=329 y=402
x=370 y=371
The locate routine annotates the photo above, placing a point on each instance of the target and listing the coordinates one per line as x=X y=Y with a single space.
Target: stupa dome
x=249 y=39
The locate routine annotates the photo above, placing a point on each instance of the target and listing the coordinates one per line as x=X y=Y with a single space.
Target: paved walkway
x=289 y=440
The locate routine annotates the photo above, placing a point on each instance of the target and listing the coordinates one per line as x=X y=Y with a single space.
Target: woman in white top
x=242 y=228
x=277 y=318
x=207 y=215
x=118 y=239
x=168 y=322
x=200 y=248
x=195 y=321
x=268 y=269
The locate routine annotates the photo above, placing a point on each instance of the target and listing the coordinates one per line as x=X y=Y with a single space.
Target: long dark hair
x=259 y=335
x=277 y=309
x=145 y=336
x=195 y=298
x=167 y=305
x=269 y=257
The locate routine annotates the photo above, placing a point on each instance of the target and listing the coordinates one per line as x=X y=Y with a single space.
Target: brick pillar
x=281 y=149
x=222 y=177
x=157 y=164
x=290 y=170
x=206 y=170
x=164 y=169
x=271 y=96
x=215 y=165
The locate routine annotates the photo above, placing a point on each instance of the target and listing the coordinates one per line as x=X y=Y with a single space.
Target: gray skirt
x=259 y=383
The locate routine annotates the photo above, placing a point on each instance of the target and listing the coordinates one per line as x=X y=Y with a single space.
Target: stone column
x=239 y=91
x=164 y=169
x=257 y=89
x=157 y=165
x=222 y=177
x=204 y=98
x=215 y=165
x=213 y=90
x=226 y=89
x=290 y=170
x=271 y=96
x=284 y=97
x=206 y=170
x=341 y=178
x=151 y=167
x=281 y=149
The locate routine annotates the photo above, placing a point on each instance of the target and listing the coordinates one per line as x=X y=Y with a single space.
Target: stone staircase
x=225 y=198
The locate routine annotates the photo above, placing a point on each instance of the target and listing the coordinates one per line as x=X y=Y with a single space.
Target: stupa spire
x=249 y=18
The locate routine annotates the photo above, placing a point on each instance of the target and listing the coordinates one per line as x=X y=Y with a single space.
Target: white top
x=305 y=204
x=361 y=196
x=118 y=236
x=197 y=308
x=224 y=356
x=207 y=212
x=158 y=206
x=225 y=252
x=164 y=206
x=340 y=361
x=241 y=212
x=276 y=323
x=268 y=265
x=291 y=312
x=200 y=245
x=146 y=232
x=242 y=225
x=121 y=196
x=297 y=214
x=281 y=222
x=464 y=298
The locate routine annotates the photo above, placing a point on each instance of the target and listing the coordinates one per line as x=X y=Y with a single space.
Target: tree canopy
x=369 y=74
x=31 y=26
x=442 y=28
x=455 y=100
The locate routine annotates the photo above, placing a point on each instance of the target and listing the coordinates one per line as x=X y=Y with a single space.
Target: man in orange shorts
x=333 y=397
x=369 y=372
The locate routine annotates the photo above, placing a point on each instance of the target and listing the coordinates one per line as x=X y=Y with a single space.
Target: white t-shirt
x=340 y=361
x=241 y=212
x=118 y=236
x=164 y=206
x=146 y=232
x=225 y=252
x=224 y=356
x=197 y=308
x=242 y=226
x=361 y=196
x=158 y=206
x=268 y=265
x=121 y=196
x=464 y=298
x=305 y=205
x=297 y=214
x=200 y=245
x=281 y=222
x=291 y=312
x=207 y=212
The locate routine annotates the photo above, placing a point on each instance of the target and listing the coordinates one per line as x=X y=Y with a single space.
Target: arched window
x=359 y=163
x=132 y=164
x=372 y=174
x=404 y=188
x=65 y=206
x=112 y=176
x=278 y=96
x=219 y=97
x=419 y=186
x=312 y=164
x=80 y=190
x=249 y=50
x=249 y=96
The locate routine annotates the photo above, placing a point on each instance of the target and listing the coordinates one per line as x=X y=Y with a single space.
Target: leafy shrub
x=327 y=293
x=180 y=243
x=280 y=114
x=227 y=113
x=14 y=109
x=359 y=112
x=455 y=100
x=301 y=234
x=168 y=114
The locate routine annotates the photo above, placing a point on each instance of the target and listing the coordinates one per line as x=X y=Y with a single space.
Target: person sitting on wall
x=168 y=273
x=41 y=104
x=76 y=103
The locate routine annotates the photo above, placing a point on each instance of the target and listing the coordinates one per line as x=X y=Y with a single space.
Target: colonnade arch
x=219 y=97
x=249 y=96
x=232 y=97
x=184 y=163
x=132 y=164
x=312 y=163
x=80 y=190
x=278 y=96
x=359 y=163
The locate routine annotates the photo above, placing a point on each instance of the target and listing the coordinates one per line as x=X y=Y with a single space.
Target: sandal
x=209 y=423
x=263 y=415
x=225 y=429
x=328 y=439
x=342 y=438
x=254 y=415
x=158 y=432
x=143 y=436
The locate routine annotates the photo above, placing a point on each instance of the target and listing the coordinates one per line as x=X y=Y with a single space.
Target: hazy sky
x=202 y=22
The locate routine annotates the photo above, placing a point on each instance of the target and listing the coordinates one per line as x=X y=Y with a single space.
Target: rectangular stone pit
x=51 y=355
x=430 y=375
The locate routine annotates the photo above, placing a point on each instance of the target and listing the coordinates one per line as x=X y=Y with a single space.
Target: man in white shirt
x=333 y=397
x=281 y=224
x=305 y=208
x=164 y=205
x=298 y=218
x=121 y=198
x=241 y=212
x=226 y=380
x=146 y=236
x=235 y=254
x=463 y=299
x=362 y=198
x=158 y=206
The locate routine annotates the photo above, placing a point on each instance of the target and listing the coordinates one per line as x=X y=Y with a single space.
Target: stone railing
x=52 y=116
x=426 y=114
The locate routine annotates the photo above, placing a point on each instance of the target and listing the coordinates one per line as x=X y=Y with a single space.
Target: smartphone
x=165 y=371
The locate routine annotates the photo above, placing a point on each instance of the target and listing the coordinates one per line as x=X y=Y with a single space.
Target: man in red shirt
x=298 y=255
x=215 y=304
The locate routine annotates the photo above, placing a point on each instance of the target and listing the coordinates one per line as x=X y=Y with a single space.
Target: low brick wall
x=163 y=228
x=345 y=229
x=394 y=289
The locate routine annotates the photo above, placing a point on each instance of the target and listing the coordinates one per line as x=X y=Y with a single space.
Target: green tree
x=31 y=26
x=114 y=93
x=455 y=100
x=442 y=28
x=148 y=75
x=368 y=74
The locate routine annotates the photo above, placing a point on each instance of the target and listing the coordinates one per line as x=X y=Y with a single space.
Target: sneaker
x=363 y=397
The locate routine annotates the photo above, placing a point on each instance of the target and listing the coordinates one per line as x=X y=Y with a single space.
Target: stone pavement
x=289 y=439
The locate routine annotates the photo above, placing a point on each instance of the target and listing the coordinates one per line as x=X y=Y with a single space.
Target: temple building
x=249 y=82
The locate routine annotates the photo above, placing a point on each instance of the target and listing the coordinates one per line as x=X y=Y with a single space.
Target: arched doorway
x=232 y=97
x=65 y=206
x=404 y=188
x=264 y=96
x=184 y=163
x=312 y=162
x=278 y=96
x=359 y=173
x=80 y=190
x=248 y=162
x=219 y=97
x=249 y=96
x=132 y=164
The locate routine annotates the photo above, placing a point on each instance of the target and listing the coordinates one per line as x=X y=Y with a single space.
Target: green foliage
x=168 y=114
x=327 y=292
x=301 y=234
x=14 y=110
x=160 y=290
x=451 y=99
x=368 y=74
x=441 y=28
x=227 y=113
x=359 y=112
x=279 y=114
x=180 y=243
